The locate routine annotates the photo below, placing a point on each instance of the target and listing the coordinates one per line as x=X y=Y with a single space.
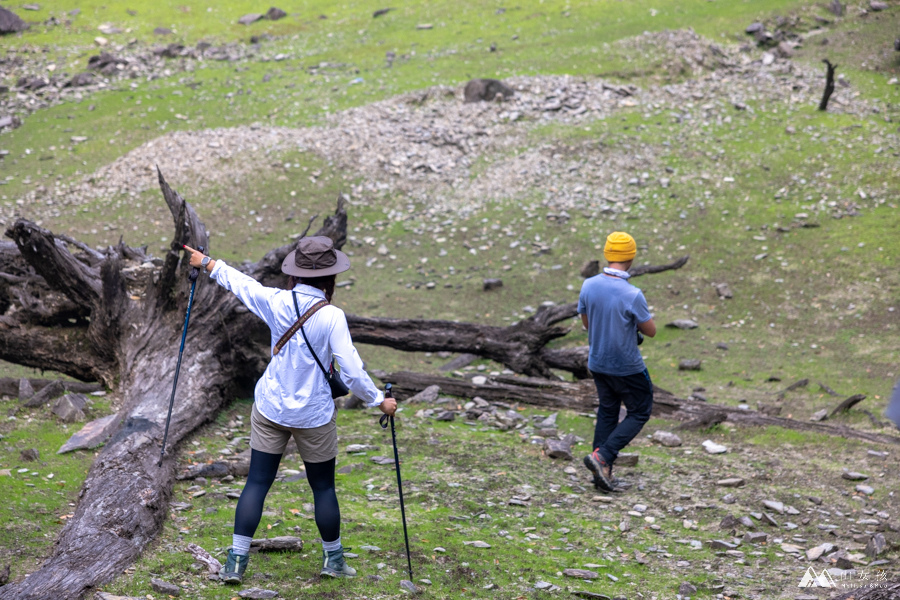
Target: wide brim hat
x=315 y=256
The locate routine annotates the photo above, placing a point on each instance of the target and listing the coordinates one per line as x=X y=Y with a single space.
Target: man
x=613 y=312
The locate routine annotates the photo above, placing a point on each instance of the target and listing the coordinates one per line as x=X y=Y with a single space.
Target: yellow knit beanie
x=620 y=247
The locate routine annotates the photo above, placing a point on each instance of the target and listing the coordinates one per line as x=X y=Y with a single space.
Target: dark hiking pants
x=636 y=393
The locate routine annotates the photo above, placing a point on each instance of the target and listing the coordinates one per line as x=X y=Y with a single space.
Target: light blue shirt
x=614 y=308
x=293 y=391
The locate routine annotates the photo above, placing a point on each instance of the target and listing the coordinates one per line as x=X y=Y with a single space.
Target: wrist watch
x=205 y=261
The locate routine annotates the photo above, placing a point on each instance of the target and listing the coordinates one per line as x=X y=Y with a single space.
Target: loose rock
x=10 y=22
x=486 y=89
x=92 y=435
x=70 y=407
x=164 y=587
x=580 y=573
x=713 y=448
x=683 y=324
x=666 y=438
x=689 y=364
x=250 y=18
x=257 y=594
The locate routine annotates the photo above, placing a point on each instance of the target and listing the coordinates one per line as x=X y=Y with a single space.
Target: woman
x=293 y=397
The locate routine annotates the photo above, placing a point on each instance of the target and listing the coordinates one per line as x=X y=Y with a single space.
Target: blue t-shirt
x=613 y=307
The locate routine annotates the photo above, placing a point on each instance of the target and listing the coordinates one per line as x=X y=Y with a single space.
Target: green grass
x=804 y=287
x=38 y=500
x=455 y=472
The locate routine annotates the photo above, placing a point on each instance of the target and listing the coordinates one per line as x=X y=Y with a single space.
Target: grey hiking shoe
x=235 y=565
x=602 y=471
x=335 y=565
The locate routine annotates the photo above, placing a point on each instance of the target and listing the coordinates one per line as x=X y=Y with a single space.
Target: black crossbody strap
x=305 y=339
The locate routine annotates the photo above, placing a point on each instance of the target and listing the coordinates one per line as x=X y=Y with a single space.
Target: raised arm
x=254 y=295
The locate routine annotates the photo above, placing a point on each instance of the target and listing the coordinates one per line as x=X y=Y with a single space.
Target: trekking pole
x=195 y=272
x=384 y=421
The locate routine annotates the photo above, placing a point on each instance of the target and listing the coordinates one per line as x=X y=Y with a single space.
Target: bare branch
x=39 y=347
x=648 y=269
x=188 y=230
x=52 y=260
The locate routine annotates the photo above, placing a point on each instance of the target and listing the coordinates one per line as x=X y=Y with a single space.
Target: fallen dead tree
x=582 y=396
x=520 y=347
x=115 y=317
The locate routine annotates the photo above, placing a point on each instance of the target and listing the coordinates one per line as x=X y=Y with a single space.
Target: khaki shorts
x=316 y=445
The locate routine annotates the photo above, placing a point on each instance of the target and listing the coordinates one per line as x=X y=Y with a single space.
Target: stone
x=447 y=415
x=854 y=476
x=70 y=408
x=560 y=448
x=768 y=520
x=731 y=482
x=382 y=460
x=723 y=290
x=627 y=459
x=108 y=596
x=784 y=50
x=590 y=269
x=722 y=545
x=429 y=395
x=683 y=324
x=877 y=545
x=754 y=27
x=408 y=586
x=162 y=31
x=492 y=284
x=380 y=12
x=80 y=80
x=257 y=593
x=10 y=22
x=774 y=505
x=728 y=522
x=580 y=573
x=477 y=544
x=713 y=448
x=755 y=537
x=29 y=455
x=486 y=90
x=542 y=585
x=164 y=587
x=689 y=364
x=666 y=438
x=687 y=589
x=26 y=390
x=865 y=489
x=819 y=415
x=818 y=551
x=878 y=5
x=49 y=392
x=274 y=14
x=250 y=18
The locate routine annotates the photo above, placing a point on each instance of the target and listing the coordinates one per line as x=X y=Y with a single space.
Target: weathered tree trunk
x=127 y=327
x=829 y=85
x=520 y=347
x=582 y=396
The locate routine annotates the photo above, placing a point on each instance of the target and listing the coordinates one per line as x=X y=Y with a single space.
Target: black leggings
x=263 y=469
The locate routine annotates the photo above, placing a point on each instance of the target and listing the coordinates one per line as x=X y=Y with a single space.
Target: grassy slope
x=855 y=350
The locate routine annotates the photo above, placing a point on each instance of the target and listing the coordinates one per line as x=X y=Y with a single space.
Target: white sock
x=331 y=546
x=240 y=544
